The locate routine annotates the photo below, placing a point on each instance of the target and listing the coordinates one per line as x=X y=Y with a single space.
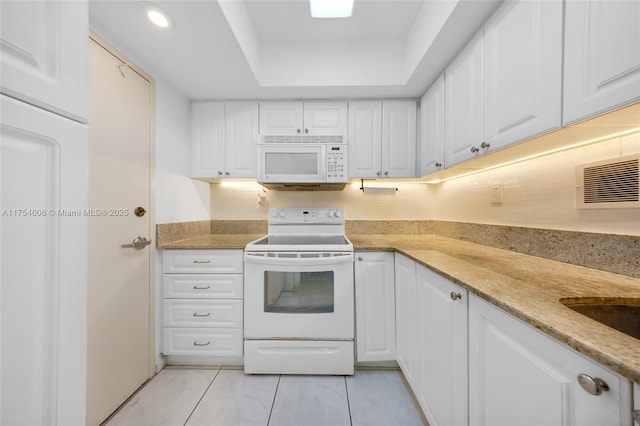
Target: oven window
x=298 y=292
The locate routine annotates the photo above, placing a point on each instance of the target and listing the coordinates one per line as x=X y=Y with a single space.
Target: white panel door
x=325 y=118
x=406 y=318
x=43 y=50
x=517 y=375
x=208 y=139
x=431 y=145
x=601 y=56
x=522 y=71
x=464 y=118
x=365 y=139
x=281 y=118
x=399 y=139
x=442 y=351
x=119 y=342
x=241 y=139
x=375 y=307
x=43 y=258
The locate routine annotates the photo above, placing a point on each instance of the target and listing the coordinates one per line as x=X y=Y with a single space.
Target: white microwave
x=302 y=162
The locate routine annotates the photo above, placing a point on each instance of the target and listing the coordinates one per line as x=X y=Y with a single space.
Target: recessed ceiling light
x=156 y=15
x=331 y=8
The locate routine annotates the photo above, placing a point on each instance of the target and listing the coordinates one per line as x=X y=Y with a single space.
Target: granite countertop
x=527 y=287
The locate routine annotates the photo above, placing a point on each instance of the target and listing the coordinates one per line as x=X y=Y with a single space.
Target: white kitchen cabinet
x=431 y=145
x=464 y=119
x=44 y=265
x=522 y=71
x=441 y=340
x=406 y=318
x=297 y=118
x=45 y=55
x=382 y=139
x=505 y=86
x=601 y=57
x=375 y=307
x=224 y=139
x=203 y=303
x=365 y=138
x=518 y=374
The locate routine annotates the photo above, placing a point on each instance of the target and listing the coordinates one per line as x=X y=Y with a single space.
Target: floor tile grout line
x=346 y=389
x=203 y=394
x=273 y=403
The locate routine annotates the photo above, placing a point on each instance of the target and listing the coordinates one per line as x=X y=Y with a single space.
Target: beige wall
x=538 y=193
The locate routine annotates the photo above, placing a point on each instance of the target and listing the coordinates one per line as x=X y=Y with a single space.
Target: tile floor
x=228 y=397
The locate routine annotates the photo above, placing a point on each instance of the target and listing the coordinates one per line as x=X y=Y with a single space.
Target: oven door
x=298 y=295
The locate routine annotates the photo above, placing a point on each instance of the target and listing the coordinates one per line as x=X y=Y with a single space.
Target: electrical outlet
x=496 y=194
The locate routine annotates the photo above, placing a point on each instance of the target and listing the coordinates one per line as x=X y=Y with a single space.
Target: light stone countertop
x=526 y=287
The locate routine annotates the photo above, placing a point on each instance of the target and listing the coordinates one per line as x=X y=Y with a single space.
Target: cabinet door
x=365 y=139
x=208 y=139
x=518 y=374
x=44 y=266
x=522 y=71
x=44 y=52
x=442 y=349
x=241 y=139
x=463 y=116
x=281 y=118
x=601 y=56
x=406 y=317
x=399 y=139
x=375 y=307
x=431 y=145
x=325 y=118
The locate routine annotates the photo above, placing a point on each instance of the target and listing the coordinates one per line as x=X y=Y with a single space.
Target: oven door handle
x=263 y=259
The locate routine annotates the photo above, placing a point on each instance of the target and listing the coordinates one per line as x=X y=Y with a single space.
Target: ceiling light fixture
x=331 y=8
x=156 y=15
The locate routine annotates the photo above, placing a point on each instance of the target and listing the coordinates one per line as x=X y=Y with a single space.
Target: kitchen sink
x=623 y=314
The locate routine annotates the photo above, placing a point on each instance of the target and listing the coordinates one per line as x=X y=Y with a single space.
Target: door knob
x=138 y=243
x=139 y=211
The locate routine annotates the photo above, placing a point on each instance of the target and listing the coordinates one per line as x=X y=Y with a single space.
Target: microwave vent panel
x=613 y=183
x=317 y=139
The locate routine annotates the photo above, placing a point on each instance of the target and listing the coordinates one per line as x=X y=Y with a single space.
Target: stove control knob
x=336 y=213
x=282 y=213
x=274 y=213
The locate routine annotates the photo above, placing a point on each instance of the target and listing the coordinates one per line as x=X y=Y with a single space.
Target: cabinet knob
x=379 y=173
x=306 y=131
x=298 y=131
x=595 y=386
x=474 y=149
x=360 y=258
x=485 y=145
x=219 y=173
x=455 y=296
x=386 y=173
x=227 y=173
x=438 y=164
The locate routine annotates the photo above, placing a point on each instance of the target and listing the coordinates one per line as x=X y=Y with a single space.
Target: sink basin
x=619 y=313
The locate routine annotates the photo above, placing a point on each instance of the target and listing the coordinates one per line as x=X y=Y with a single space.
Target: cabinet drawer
x=203 y=261
x=198 y=286
x=203 y=341
x=203 y=313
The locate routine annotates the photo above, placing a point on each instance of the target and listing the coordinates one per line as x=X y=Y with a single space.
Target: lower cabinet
x=441 y=387
x=375 y=307
x=518 y=375
x=470 y=363
x=202 y=303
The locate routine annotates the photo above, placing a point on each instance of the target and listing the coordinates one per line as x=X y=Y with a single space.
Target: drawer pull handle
x=195 y=287
x=196 y=343
x=195 y=314
x=201 y=261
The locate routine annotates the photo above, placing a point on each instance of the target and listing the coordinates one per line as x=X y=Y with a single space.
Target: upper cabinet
x=225 y=137
x=431 y=146
x=382 y=139
x=602 y=57
x=44 y=52
x=505 y=86
x=297 y=118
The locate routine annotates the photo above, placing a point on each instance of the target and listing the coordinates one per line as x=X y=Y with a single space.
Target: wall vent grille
x=612 y=183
